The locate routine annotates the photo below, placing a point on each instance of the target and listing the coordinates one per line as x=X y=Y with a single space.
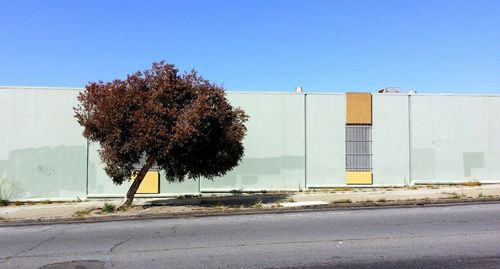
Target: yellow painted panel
x=359 y=178
x=150 y=183
x=359 y=108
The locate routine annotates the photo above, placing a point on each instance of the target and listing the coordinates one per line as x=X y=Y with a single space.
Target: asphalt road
x=425 y=237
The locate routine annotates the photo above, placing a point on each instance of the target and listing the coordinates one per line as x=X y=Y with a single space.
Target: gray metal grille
x=358 y=150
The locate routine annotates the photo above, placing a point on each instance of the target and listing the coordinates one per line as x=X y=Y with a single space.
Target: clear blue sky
x=337 y=46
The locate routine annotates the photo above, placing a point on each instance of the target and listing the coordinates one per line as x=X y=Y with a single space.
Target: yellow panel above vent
x=359 y=178
x=150 y=184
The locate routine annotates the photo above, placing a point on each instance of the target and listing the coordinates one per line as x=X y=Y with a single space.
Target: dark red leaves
x=183 y=120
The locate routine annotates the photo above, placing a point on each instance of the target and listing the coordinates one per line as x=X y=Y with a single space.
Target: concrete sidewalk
x=225 y=203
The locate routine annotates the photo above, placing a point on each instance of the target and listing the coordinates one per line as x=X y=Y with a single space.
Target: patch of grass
x=123 y=208
x=342 y=201
x=108 y=208
x=236 y=192
x=343 y=189
x=219 y=205
x=414 y=187
x=5 y=194
x=382 y=200
x=7 y=191
x=433 y=186
x=45 y=202
x=480 y=195
x=258 y=204
x=18 y=203
x=289 y=200
x=471 y=183
x=455 y=195
x=4 y=202
x=83 y=212
x=368 y=201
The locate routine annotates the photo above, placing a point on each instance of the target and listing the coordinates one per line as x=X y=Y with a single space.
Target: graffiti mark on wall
x=46 y=170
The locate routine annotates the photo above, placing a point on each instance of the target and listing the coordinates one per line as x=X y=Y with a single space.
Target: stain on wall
x=472 y=160
x=47 y=171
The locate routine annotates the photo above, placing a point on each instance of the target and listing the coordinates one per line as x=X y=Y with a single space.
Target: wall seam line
x=305 y=141
x=409 y=140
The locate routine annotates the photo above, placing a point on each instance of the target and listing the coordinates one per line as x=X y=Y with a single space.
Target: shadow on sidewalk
x=229 y=201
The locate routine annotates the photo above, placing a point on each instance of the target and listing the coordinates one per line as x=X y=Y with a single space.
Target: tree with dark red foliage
x=181 y=123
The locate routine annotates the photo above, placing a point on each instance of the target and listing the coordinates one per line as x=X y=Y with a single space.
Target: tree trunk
x=127 y=201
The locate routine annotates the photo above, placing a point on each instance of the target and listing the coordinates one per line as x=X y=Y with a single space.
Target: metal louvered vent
x=358 y=147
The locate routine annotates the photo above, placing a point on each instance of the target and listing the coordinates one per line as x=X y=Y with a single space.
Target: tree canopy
x=182 y=123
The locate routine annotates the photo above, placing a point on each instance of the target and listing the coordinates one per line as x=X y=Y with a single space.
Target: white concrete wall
x=390 y=139
x=325 y=136
x=293 y=139
x=42 y=150
x=274 y=146
x=455 y=138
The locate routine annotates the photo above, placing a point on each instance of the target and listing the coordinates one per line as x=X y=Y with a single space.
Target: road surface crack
x=306 y=242
x=32 y=247
x=174 y=228
x=119 y=244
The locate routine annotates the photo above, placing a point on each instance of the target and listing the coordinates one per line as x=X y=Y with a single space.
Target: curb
x=243 y=212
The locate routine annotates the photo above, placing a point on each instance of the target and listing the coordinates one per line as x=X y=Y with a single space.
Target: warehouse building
x=295 y=141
